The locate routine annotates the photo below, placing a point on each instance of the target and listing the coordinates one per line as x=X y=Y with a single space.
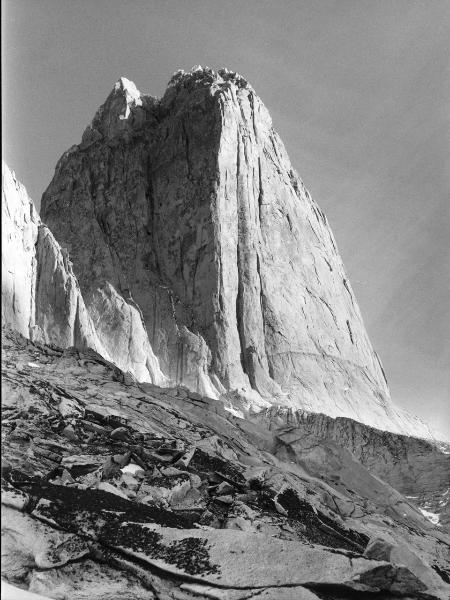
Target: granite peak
x=192 y=209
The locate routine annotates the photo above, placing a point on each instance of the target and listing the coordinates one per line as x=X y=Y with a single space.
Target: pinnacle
x=128 y=87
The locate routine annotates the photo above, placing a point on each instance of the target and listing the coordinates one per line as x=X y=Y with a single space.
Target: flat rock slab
x=238 y=559
x=279 y=593
x=226 y=558
x=27 y=542
x=11 y=592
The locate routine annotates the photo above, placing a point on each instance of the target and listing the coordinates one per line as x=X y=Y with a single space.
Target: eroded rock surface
x=114 y=487
x=188 y=207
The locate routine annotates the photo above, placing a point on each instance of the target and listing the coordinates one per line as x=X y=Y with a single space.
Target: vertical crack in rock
x=381 y=367
x=240 y=260
x=330 y=311
x=152 y=229
x=251 y=98
x=260 y=192
x=345 y=282
x=186 y=145
x=262 y=303
x=350 y=331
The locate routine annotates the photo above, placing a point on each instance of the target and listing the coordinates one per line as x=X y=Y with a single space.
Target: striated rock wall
x=189 y=208
x=20 y=224
x=42 y=300
x=60 y=316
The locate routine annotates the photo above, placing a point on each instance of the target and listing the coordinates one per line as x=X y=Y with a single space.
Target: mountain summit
x=187 y=209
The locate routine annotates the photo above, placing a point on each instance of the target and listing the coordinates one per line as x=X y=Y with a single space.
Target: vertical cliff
x=20 y=224
x=185 y=250
x=42 y=300
x=40 y=295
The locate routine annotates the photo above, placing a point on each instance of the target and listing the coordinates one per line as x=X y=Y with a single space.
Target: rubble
x=186 y=506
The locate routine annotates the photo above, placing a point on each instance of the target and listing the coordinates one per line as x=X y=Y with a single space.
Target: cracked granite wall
x=42 y=300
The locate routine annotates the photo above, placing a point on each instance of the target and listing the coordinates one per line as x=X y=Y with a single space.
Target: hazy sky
x=359 y=92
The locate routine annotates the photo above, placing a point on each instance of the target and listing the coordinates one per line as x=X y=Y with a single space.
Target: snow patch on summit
x=433 y=517
x=132 y=95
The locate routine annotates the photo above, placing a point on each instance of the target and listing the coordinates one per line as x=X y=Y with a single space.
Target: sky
x=359 y=91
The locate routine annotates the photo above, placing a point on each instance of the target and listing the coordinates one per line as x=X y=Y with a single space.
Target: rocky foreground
x=119 y=489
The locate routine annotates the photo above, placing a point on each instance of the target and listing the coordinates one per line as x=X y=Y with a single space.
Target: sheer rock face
x=42 y=300
x=20 y=223
x=188 y=207
x=40 y=295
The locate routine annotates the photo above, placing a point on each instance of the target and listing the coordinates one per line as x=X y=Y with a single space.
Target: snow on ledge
x=433 y=517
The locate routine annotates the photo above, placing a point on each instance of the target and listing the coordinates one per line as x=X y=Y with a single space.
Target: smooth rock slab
x=11 y=592
x=28 y=543
x=237 y=559
x=227 y=557
x=214 y=593
x=88 y=580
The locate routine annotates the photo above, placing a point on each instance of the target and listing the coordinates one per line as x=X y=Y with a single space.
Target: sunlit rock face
x=20 y=223
x=40 y=295
x=42 y=300
x=189 y=209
